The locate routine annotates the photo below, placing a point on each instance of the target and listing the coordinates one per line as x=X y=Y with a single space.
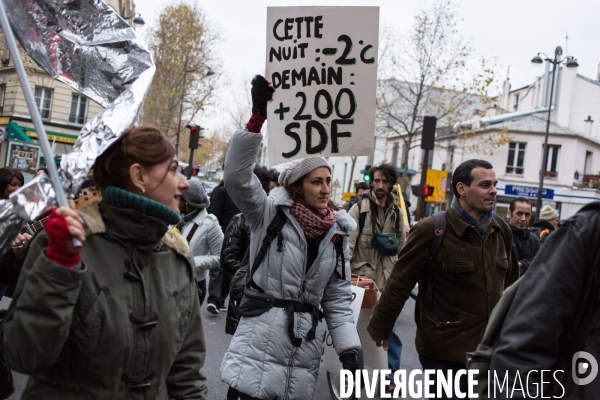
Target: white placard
x=375 y=357
x=330 y=360
x=323 y=63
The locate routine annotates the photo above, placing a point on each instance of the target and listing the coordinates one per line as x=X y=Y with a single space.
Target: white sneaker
x=211 y=308
x=223 y=309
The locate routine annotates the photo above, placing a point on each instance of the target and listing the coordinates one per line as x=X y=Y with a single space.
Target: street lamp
x=537 y=60
x=137 y=20
x=186 y=71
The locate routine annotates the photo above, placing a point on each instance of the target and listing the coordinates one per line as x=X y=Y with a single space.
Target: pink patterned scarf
x=313 y=222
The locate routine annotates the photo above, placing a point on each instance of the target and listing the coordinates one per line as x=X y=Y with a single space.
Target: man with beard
x=379 y=222
x=460 y=286
x=525 y=243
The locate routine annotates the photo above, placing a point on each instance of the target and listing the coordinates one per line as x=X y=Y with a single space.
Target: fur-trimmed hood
x=281 y=197
x=95 y=225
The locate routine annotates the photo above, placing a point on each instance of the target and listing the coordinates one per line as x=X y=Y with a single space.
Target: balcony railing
x=591 y=181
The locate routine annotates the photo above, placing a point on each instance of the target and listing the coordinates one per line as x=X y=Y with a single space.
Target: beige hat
x=548 y=213
x=296 y=169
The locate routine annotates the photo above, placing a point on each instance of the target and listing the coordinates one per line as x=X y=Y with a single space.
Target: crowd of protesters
x=119 y=315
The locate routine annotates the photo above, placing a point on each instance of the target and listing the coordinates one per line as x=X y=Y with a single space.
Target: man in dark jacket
x=526 y=244
x=554 y=315
x=224 y=209
x=548 y=222
x=474 y=264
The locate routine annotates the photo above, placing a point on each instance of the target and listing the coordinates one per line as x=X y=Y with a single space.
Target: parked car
x=209 y=187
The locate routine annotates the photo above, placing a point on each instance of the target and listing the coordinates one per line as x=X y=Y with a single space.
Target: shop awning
x=15 y=132
x=59 y=137
x=410 y=171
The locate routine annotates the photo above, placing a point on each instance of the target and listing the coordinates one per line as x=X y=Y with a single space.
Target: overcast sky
x=513 y=31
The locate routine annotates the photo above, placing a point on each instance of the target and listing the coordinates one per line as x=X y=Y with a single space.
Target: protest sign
x=323 y=64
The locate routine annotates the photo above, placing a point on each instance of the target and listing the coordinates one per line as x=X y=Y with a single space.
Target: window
x=43 y=99
x=2 y=97
x=78 y=109
x=516 y=106
x=552 y=163
x=516 y=158
x=395 y=150
x=587 y=169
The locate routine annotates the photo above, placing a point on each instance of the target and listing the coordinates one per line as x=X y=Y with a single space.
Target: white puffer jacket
x=206 y=243
x=261 y=361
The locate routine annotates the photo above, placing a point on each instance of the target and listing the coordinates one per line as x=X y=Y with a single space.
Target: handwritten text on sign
x=323 y=64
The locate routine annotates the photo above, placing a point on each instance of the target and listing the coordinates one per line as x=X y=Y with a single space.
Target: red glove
x=255 y=123
x=60 y=247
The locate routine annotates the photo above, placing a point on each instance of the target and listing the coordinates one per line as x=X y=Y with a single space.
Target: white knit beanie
x=548 y=213
x=296 y=169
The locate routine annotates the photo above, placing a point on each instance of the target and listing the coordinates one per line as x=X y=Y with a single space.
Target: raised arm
x=241 y=183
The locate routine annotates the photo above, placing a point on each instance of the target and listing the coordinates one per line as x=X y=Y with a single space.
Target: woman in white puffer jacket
x=202 y=231
x=276 y=355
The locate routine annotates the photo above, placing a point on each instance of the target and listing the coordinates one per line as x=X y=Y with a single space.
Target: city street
x=217 y=342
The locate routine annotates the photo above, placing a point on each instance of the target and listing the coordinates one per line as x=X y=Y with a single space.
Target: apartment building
x=572 y=176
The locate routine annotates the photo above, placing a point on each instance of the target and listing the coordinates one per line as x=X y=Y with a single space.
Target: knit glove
x=60 y=247
x=261 y=93
x=352 y=360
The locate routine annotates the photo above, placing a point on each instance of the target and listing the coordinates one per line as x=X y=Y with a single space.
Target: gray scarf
x=187 y=218
x=481 y=225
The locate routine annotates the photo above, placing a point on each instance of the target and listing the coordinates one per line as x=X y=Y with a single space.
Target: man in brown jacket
x=474 y=264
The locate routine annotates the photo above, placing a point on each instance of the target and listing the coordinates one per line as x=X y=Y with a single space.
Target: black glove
x=352 y=361
x=261 y=94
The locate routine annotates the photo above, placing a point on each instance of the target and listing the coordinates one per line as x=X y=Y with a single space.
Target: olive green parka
x=124 y=324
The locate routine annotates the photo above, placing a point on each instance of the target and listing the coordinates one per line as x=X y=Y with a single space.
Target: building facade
x=63 y=110
x=573 y=168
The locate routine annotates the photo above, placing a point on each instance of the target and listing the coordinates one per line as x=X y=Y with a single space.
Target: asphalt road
x=217 y=342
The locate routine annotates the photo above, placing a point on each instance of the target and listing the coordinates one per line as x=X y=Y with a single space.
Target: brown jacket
x=469 y=277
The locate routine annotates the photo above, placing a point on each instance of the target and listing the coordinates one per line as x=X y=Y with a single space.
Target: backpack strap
x=501 y=224
x=439 y=229
x=361 y=220
x=192 y=232
x=397 y=227
x=338 y=243
x=273 y=230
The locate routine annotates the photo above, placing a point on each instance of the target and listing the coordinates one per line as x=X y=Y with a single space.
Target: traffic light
x=195 y=172
x=366 y=176
x=427 y=191
x=194 y=136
